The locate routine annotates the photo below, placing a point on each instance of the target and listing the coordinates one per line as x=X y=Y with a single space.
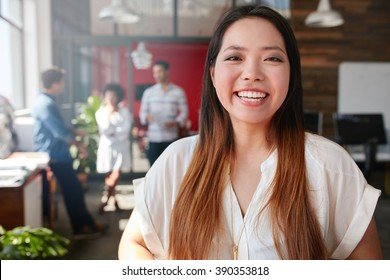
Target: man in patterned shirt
x=164 y=109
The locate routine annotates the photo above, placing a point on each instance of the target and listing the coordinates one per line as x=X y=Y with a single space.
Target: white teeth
x=251 y=94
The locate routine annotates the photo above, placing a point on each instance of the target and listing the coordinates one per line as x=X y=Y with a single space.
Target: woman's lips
x=251 y=96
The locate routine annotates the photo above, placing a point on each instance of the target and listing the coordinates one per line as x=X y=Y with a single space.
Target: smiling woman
x=253 y=184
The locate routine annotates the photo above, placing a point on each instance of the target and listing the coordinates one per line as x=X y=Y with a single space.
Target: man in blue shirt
x=53 y=137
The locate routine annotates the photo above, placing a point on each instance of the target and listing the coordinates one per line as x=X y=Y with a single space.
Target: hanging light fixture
x=324 y=16
x=119 y=12
x=142 y=58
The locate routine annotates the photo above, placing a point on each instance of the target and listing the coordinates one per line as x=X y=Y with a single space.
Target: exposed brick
x=365 y=36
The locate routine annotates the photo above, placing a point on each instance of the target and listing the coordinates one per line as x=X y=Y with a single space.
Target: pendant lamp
x=119 y=12
x=324 y=16
x=142 y=58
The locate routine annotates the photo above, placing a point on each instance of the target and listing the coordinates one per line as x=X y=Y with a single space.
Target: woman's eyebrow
x=233 y=47
x=277 y=48
x=237 y=47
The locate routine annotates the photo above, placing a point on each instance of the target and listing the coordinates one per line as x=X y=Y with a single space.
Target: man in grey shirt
x=164 y=109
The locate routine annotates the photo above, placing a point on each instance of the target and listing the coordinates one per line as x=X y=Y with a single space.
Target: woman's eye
x=232 y=58
x=273 y=59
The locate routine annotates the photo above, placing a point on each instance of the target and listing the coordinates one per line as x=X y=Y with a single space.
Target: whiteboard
x=364 y=87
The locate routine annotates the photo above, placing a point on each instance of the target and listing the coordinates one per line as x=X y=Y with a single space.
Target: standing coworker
x=163 y=109
x=253 y=184
x=53 y=137
x=113 y=154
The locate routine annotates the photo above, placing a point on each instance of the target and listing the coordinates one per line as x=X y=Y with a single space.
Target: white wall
x=38 y=44
x=364 y=87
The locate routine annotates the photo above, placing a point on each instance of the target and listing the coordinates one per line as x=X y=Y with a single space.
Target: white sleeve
x=352 y=203
x=104 y=125
x=155 y=194
x=145 y=222
x=363 y=210
x=122 y=129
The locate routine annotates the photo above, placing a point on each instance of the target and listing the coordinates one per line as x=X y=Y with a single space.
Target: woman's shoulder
x=176 y=157
x=101 y=112
x=124 y=110
x=327 y=153
x=181 y=149
x=167 y=172
x=188 y=142
x=322 y=142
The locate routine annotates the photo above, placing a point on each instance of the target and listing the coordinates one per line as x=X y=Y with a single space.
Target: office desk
x=21 y=196
x=21 y=200
x=41 y=160
x=382 y=155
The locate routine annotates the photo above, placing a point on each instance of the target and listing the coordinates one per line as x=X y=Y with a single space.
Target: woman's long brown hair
x=196 y=215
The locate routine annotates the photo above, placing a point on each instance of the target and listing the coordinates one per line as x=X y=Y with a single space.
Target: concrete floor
x=105 y=247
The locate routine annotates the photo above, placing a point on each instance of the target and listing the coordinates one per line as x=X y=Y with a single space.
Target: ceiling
x=196 y=18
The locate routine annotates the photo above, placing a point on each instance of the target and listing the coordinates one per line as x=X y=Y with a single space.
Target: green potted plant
x=25 y=243
x=87 y=136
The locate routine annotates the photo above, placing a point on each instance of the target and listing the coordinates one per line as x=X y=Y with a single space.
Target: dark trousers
x=45 y=195
x=155 y=150
x=73 y=195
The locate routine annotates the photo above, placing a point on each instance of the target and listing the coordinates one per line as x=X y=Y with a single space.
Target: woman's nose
x=252 y=71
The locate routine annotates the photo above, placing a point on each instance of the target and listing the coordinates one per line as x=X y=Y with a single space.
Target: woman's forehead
x=252 y=30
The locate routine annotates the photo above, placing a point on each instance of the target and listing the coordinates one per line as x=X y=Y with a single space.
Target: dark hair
x=292 y=106
x=117 y=89
x=199 y=201
x=51 y=76
x=162 y=63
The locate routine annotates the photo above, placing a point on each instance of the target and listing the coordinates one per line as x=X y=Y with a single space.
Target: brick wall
x=365 y=36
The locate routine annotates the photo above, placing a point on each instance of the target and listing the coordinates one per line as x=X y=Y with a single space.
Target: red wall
x=186 y=70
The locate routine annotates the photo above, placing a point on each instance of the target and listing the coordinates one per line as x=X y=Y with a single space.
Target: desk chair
x=370 y=149
x=313 y=121
x=361 y=129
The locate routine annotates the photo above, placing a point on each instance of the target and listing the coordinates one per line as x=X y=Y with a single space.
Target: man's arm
x=144 y=109
x=183 y=109
x=49 y=115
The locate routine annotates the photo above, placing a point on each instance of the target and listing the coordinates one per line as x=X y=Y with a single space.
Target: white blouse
x=343 y=201
x=114 y=140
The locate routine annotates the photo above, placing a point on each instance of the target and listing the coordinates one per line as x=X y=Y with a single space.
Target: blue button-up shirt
x=50 y=132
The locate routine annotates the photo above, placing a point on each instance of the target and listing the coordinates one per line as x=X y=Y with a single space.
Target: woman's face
x=110 y=98
x=252 y=71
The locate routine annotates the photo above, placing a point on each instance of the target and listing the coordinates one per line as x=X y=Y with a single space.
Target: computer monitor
x=313 y=121
x=355 y=129
x=139 y=90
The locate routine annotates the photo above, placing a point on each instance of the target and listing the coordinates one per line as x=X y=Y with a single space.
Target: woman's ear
x=212 y=74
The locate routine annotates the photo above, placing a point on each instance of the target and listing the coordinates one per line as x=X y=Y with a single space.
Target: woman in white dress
x=113 y=155
x=252 y=184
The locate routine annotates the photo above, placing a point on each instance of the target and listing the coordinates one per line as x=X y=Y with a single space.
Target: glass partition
x=90 y=66
x=12 y=11
x=11 y=53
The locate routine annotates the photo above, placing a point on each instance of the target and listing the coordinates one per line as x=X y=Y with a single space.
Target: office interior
x=345 y=70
